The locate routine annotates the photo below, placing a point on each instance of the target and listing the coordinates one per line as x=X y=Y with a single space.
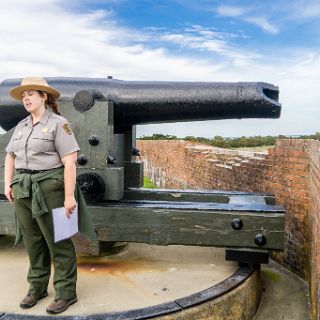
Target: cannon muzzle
x=142 y=102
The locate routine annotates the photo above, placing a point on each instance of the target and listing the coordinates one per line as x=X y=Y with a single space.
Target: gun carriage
x=103 y=114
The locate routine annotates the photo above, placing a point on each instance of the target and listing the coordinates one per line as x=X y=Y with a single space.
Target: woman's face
x=33 y=101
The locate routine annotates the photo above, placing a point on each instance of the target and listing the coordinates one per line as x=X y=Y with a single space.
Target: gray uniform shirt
x=41 y=146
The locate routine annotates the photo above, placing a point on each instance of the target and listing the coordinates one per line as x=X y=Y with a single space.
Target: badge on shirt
x=66 y=127
x=45 y=130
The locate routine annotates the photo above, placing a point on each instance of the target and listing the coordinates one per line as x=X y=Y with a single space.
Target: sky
x=178 y=40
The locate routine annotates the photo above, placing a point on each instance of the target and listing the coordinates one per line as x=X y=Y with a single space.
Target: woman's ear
x=45 y=96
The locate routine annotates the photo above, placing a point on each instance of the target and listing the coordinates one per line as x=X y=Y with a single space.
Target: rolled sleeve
x=65 y=141
x=9 y=147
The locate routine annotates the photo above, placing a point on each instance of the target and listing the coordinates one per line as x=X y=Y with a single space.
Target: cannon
x=140 y=102
x=103 y=114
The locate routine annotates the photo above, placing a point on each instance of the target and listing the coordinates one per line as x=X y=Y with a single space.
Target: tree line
x=221 y=142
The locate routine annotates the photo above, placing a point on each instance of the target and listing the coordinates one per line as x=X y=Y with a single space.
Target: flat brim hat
x=33 y=83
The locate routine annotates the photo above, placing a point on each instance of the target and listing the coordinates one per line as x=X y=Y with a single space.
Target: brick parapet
x=290 y=170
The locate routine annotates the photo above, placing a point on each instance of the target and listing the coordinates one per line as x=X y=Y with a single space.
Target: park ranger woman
x=40 y=174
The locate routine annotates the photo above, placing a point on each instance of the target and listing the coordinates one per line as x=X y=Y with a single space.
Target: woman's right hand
x=8 y=174
x=8 y=193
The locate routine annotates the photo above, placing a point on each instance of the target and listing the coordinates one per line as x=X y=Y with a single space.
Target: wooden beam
x=165 y=223
x=173 y=225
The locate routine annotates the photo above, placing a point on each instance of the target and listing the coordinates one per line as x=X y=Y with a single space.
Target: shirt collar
x=29 y=121
x=43 y=120
x=45 y=116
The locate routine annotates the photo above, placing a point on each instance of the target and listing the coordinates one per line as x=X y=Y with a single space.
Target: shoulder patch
x=67 y=128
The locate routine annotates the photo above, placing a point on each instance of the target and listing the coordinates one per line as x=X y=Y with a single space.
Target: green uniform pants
x=38 y=237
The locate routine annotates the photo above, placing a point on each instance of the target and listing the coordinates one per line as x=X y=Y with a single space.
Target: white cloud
x=54 y=42
x=247 y=14
x=306 y=67
x=211 y=33
x=213 y=41
x=305 y=9
x=230 y=11
x=42 y=38
x=263 y=23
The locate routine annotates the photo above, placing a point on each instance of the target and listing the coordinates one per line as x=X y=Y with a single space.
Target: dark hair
x=50 y=102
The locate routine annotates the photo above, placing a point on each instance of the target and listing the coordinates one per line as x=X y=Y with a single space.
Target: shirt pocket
x=17 y=143
x=44 y=142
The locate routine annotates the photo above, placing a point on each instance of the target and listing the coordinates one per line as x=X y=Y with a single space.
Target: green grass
x=147 y=183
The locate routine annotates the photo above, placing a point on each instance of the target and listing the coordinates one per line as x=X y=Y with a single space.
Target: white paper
x=63 y=226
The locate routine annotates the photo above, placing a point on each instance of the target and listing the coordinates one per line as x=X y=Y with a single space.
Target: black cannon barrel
x=141 y=102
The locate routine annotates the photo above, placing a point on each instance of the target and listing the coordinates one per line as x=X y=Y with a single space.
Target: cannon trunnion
x=103 y=114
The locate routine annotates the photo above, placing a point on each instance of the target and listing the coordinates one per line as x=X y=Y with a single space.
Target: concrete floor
x=284 y=295
x=146 y=275
x=141 y=276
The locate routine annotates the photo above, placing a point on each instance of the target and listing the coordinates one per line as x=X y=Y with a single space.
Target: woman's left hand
x=69 y=204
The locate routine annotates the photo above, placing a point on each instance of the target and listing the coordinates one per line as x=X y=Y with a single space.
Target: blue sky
x=270 y=41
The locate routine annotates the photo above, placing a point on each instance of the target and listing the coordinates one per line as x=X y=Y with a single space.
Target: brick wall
x=290 y=170
x=314 y=217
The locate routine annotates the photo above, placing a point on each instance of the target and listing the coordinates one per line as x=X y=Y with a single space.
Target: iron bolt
x=82 y=159
x=260 y=240
x=94 y=140
x=237 y=224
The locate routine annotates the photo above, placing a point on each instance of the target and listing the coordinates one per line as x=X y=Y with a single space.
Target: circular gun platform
x=143 y=282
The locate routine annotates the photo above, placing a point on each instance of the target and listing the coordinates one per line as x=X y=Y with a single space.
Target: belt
x=30 y=171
